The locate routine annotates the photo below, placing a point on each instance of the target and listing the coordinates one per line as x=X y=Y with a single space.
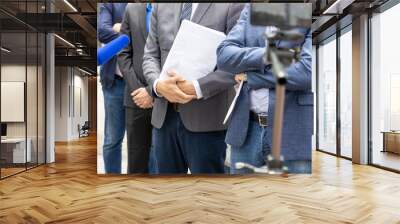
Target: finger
x=138 y=96
x=148 y=105
x=184 y=98
x=181 y=85
x=143 y=106
x=138 y=100
x=170 y=99
x=171 y=72
x=134 y=93
x=177 y=78
x=237 y=79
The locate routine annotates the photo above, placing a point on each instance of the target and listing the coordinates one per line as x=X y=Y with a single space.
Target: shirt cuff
x=154 y=87
x=196 y=85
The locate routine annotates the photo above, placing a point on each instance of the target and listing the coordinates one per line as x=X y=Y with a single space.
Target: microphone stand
x=280 y=58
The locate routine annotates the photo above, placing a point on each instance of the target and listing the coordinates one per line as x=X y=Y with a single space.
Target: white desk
x=18 y=149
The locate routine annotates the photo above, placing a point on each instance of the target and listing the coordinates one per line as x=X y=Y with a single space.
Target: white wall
x=17 y=73
x=71 y=94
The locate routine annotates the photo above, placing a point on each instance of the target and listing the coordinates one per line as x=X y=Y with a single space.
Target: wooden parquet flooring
x=70 y=191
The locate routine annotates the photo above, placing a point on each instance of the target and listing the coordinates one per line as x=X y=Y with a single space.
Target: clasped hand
x=142 y=98
x=176 y=89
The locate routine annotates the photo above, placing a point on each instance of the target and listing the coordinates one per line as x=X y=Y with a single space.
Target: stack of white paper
x=193 y=53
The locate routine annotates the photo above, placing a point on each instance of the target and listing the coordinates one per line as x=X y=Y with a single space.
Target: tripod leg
x=278 y=121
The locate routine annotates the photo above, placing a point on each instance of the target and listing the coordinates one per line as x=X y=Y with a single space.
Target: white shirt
x=259 y=100
x=118 y=71
x=194 y=7
x=196 y=84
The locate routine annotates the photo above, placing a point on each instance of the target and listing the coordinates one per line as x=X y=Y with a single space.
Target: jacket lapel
x=200 y=12
x=176 y=8
x=142 y=20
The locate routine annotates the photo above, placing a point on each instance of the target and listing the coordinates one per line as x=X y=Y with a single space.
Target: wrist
x=156 y=88
x=159 y=87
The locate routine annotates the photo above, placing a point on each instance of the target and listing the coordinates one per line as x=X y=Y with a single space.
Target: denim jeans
x=153 y=169
x=114 y=126
x=256 y=148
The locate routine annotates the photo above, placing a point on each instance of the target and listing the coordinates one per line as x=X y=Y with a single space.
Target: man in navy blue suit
x=250 y=128
x=109 y=25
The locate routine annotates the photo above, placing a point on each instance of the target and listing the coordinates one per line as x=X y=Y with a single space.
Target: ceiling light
x=5 y=50
x=70 y=5
x=333 y=6
x=84 y=71
x=64 y=40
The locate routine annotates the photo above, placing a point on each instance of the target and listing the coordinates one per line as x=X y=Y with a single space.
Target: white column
x=50 y=94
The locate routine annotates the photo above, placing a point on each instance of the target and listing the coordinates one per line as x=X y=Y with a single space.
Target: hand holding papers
x=193 y=53
x=169 y=89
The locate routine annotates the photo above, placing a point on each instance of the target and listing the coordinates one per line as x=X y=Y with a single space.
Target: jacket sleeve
x=125 y=57
x=218 y=81
x=152 y=53
x=299 y=74
x=105 y=24
x=233 y=54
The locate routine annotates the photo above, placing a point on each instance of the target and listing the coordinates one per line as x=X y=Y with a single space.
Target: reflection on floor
x=70 y=191
x=10 y=171
x=386 y=159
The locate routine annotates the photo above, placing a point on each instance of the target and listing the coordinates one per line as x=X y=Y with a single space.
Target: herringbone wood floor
x=70 y=191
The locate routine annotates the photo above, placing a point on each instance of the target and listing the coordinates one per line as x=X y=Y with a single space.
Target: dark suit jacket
x=206 y=114
x=109 y=14
x=130 y=60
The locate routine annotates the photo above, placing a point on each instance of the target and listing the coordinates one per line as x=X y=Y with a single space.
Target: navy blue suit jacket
x=110 y=14
x=243 y=51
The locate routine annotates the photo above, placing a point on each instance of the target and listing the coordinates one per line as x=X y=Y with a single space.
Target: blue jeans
x=177 y=149
x=114 y=126
x=256 y=147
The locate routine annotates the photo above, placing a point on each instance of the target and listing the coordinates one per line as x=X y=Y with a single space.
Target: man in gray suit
x=137 y=100
x=188 y=116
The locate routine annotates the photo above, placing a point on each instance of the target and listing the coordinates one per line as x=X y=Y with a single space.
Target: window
x=385 y=89
x=346 y=74
x=327 y=96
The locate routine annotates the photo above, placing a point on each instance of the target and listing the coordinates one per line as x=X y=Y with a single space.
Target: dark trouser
x=114 y=123
x=138 y=129
x=177 y=149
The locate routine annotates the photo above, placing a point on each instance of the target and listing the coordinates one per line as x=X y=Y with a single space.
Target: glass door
x=22 y=77
x=14 y=54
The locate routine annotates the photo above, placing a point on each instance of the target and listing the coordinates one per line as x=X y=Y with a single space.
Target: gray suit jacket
x=130 y=59
x=202 y=115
